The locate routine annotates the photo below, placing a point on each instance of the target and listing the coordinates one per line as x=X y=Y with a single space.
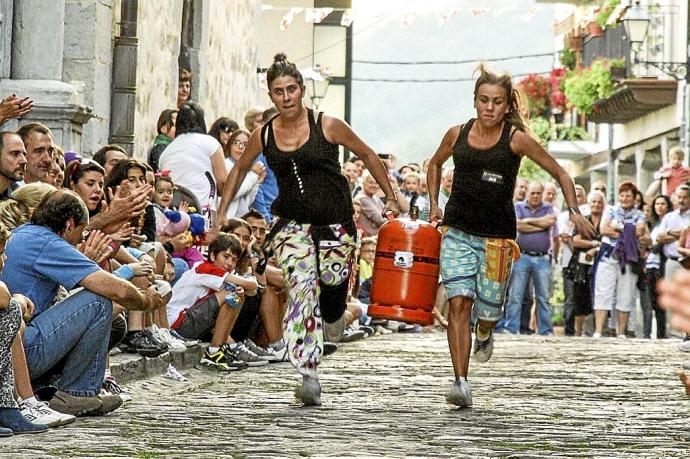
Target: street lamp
x=317 y=81
x=636 y=22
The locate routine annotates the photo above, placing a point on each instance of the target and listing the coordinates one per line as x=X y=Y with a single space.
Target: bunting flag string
x=317 y=15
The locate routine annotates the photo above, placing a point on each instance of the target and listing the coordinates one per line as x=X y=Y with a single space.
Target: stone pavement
x=537 y=397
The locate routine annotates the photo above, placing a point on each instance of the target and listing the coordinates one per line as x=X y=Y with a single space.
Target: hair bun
x=280 y=57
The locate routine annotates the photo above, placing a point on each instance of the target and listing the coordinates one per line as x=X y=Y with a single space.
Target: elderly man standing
x=70 y=338
x=535 y=222
x=670 y=229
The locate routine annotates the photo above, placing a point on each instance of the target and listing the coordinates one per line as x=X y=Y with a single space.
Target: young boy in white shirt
x=207 y=299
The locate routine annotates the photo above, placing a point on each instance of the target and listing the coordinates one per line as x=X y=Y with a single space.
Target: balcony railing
x=612 y=45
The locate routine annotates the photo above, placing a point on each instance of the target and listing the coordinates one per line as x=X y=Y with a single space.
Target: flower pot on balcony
x=617 y=73
x=576 y=42
x=594 y=29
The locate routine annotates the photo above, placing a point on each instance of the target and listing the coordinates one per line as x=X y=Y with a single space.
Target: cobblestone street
x=537 y=397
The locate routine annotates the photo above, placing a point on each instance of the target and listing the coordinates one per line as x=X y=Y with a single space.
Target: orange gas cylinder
x=406 y=270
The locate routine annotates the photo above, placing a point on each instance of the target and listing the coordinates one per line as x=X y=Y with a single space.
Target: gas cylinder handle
x=390 y=215
x=436 y=223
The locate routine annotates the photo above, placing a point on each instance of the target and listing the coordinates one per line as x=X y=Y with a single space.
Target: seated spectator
x=11 y=419
x=250 y=185
x=195 y=313
x=31 y=408
x=12 y=163
x=166 y=134
x=372 y=217
x=254 y=308
x=222 y=128
x=17 y=210
x=108 y=157
x=268 y=189
x=40 y=151
x=143 y=246
x=42 y=256
x=195 y=160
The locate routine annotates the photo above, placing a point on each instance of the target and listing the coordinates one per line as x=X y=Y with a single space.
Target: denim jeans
x=539 y=270
x=75 y=334
x=180 y=268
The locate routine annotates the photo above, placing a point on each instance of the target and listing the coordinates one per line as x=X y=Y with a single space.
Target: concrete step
x=131 y=367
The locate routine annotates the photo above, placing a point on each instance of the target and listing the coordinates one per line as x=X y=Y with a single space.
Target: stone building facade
x=67 y=67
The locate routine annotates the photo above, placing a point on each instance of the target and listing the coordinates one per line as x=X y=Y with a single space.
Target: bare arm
x=220 y=173
x=523 y=144
x=526 y=227
x=237 y=174
x=607 y=228
x=249 y=285
x=433 y=175
x=121 y=291
x=340 y=133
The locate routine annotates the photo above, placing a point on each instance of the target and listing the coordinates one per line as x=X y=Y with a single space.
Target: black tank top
x=481 y=201
x=311 y=187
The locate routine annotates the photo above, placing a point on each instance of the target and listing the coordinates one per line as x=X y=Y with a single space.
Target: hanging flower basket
x=594 y=29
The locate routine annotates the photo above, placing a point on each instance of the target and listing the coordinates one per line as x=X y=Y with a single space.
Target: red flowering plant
x=537 y=89
x=558 y=100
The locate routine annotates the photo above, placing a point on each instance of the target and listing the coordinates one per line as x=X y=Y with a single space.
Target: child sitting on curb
x=207 y=299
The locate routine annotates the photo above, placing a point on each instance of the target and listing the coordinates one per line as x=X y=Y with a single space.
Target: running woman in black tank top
x=315 y=237
x=479 y=223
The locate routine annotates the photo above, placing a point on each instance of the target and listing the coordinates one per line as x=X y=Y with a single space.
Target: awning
x=633 y=99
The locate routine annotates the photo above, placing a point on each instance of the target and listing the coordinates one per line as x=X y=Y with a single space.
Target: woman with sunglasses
x=244 y=197
x=222 y=128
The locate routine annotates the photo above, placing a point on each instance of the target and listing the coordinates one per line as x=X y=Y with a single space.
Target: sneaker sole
x=457 y=400
x=307 y=398
x=26 y=432
x=61 y=422
x=259 y=363
x=214 y=366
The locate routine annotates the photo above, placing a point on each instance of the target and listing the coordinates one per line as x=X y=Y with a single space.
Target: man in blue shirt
x=535 y=222
x=42 y=255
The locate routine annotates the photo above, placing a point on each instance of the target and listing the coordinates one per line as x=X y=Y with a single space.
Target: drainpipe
x=123 y=97
x=611 y=169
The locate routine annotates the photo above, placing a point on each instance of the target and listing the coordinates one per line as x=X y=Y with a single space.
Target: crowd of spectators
x=112 y=254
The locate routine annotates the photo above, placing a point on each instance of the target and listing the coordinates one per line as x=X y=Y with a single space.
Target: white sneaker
x=621 y=336
x=460 y=394
x=596 y=335
x=163 y=335
x=39 y=412
x=684 y=346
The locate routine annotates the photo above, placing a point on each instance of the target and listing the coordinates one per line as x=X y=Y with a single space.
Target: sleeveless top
x=481 y=200
x=311 y=187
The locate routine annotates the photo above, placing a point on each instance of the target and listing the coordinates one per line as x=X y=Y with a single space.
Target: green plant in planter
x=569 y=58
x=573 y=133
x=585 y=86
x=542 y=129
x=605 y=11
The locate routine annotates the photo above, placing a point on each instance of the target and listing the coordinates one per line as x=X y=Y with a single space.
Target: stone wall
x=228 y=58
x=87 y=63
x=159 y=25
